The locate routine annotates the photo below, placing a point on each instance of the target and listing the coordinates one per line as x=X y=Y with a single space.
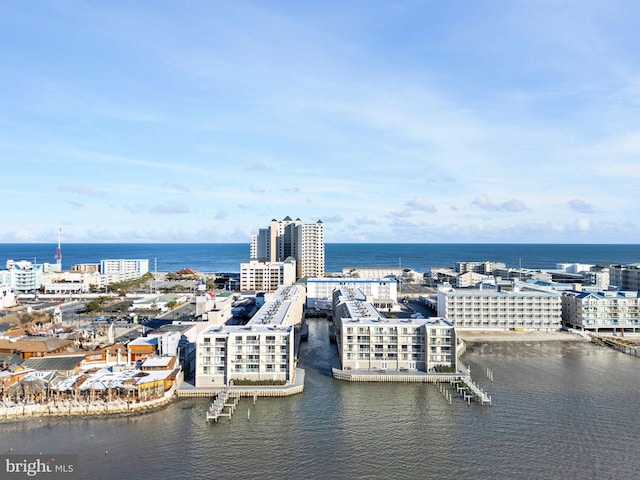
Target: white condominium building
x=382 y=293
x=489 y=309
x=267 y=276
x=260 y=351
x=289 y=238
x=368 y=341
x=610 y=310
x=134 y=266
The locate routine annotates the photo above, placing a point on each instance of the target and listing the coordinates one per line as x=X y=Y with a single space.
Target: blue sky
x=406 y=121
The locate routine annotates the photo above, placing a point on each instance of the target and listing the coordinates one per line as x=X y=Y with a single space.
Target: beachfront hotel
x=596 y=311
x=517 y=308
x=260 y=351
x=304 y=242
x=367 y=341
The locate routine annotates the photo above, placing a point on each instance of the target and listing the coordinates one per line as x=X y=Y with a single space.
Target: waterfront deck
x=188 y=390
x=461 y=382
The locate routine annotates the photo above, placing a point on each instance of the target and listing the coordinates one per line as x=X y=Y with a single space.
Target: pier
x=468 y=390
x=223 y=405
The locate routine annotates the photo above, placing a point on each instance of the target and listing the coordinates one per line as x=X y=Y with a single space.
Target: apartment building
x=124 y=265
x=267 y=276
x=596 y=311
x=625 y=277
x=23 y=276
x=382 y=293
x=369 y=341
x=262 y=350
x=483 y=268
x=291 y=238
x=498 y=309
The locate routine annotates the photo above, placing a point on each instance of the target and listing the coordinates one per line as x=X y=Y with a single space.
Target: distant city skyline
x=406 y=122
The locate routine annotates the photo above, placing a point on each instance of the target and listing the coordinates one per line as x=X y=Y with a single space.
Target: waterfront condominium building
x=262 y=350
x=369 y=341
x=497 y=309
x=288 y=238
x=267 y=276
x=596 y=311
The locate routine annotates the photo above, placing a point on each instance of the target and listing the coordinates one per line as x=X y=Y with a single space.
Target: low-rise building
x=372 y=273
x=267 y=276
x=382 y=293
x=214 y=307
x=7 y=297
x=369 y=341
x=483 y=268
x=262 y=351
x=517 y=308
x=29 y=347
x=138 y=267
x=625 y=277
x=596 y=311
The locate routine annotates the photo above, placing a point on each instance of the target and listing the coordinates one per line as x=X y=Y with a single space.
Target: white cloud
x=84 y=190
x=421 y=204
x=580 y=206
x=514 y=205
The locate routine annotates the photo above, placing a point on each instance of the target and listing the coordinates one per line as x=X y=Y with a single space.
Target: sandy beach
x=511 y=336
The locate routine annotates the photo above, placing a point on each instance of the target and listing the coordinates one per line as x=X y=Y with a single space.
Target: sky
x=405 y=121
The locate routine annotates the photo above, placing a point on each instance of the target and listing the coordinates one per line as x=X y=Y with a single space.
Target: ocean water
x=226 y=257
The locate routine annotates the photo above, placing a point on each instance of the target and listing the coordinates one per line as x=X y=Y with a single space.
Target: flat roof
x=351 y=280
x=61 y=363
x=247 y=329
x=398 y=322
x=157 y=362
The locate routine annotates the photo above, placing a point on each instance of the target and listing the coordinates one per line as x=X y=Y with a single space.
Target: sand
x=511 y=336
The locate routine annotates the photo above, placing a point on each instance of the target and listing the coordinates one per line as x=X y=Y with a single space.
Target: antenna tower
x=59 y=251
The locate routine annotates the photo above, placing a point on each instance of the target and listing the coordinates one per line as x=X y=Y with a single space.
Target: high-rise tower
x=292 y=238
